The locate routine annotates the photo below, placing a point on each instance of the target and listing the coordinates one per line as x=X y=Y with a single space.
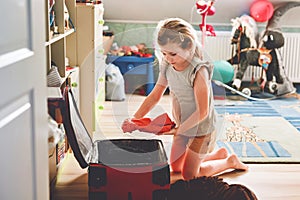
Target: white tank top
x=181 y=84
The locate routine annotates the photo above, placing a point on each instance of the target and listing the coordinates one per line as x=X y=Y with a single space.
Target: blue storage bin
x=133 y=65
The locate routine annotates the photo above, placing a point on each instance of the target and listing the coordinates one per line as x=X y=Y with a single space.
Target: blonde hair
x=176 y=30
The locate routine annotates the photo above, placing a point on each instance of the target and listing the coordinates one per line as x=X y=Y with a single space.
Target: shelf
x=61 y=47
x=54 y=92
x=69 y=71
x=58 y=37
x=61 y=50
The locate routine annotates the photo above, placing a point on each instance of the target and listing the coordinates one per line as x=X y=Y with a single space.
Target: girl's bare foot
x=222 y=152
x=235 y=163
x=216 y=155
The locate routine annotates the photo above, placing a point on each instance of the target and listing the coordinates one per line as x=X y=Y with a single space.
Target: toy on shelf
x=66 y=17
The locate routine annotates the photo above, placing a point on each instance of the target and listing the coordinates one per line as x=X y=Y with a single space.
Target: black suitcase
x=118 y=169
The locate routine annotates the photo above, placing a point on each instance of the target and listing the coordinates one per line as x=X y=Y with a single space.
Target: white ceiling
x=155 y=10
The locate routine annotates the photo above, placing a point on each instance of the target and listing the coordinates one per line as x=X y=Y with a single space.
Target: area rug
x=260 y=132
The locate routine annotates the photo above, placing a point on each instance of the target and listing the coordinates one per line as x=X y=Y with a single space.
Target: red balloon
x=261 y=10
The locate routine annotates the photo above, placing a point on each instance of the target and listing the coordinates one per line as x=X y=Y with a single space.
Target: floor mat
x=264 y=131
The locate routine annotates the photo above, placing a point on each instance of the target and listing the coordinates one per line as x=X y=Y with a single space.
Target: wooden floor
x=267 y=181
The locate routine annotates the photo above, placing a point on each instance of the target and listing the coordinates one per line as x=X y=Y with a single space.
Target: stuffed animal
x=273 y=39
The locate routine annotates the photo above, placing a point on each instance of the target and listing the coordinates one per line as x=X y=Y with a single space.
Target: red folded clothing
x=158 y=125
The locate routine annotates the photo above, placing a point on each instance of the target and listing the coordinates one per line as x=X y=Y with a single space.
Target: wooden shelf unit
x=61 y=49
x=91 y=59
x=61 y=45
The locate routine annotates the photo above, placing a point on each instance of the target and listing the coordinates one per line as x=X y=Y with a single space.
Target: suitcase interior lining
x=131 y=152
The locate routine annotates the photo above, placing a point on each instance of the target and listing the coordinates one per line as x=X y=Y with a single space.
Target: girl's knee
x=175 y=167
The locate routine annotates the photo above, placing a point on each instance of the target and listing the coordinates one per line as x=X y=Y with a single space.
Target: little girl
x=187 y=73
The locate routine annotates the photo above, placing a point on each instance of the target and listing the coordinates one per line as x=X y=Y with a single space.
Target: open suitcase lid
x=115 y=152
x=77 y=134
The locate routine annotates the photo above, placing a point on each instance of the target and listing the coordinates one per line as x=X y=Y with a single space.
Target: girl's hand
x=128 y=126
x=173 y=131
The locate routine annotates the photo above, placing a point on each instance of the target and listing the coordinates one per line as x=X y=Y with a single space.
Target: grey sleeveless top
x=183 y=100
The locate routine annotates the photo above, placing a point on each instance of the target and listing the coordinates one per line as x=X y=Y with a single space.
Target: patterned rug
x=260 y=131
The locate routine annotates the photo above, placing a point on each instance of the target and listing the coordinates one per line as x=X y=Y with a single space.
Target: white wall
x=155 y=10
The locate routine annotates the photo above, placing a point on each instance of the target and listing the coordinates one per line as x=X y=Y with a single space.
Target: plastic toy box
x=133 y=65
x=118 y=168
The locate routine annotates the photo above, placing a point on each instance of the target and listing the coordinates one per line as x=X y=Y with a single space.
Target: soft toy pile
x=139 y=50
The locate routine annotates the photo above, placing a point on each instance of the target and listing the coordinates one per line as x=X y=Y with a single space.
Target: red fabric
x=158 y=125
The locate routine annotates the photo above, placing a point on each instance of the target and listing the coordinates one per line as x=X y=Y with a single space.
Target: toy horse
x=244 y=37
x=266 y=55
